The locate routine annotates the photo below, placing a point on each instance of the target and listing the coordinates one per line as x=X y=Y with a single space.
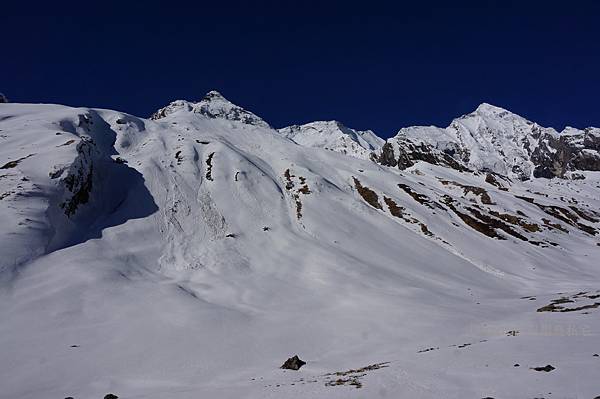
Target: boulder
x=293 y=363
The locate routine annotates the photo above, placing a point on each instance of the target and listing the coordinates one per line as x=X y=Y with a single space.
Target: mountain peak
x=213 y=106
x=214 y=95
x=486 y=108
x=493 y=139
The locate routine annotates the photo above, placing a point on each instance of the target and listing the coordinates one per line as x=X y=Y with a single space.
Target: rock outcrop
x=293 y=363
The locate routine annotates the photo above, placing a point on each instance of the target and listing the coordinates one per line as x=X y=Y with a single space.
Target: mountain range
x=191 y=253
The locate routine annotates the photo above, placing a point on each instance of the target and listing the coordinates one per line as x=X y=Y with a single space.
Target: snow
x=332 y=135
x=494 y=138
x=168 y=284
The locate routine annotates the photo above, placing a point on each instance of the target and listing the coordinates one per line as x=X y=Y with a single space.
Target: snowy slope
x=334 y=136
x=190 y=254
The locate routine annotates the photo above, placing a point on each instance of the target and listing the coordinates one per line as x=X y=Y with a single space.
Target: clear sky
x=369 y=64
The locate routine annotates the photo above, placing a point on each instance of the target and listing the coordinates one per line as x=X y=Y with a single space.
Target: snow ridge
x=334 y=136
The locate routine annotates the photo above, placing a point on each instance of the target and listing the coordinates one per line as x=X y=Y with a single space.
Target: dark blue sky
x=370 y=64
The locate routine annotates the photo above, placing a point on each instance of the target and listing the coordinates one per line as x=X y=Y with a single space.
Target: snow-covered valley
x=189 y=254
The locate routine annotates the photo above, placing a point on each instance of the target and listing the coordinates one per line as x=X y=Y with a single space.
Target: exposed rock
x=410 y=152
x=547 y=368
x=209 y=166
x=352 y=377
x=79 y=180
x=387 y=156
x=293 y=363
x=490 y=178
x=13 y=164
x=368 y=195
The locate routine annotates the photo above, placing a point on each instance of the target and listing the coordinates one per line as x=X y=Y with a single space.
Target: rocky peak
x=214 y=95
x=213 y=106
x=3 y=98
x=492 y=139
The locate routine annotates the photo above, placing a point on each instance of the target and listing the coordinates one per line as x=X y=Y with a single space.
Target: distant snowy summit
x=334 y=136
x=489 y=139
x=3 y=98
x=492 y=139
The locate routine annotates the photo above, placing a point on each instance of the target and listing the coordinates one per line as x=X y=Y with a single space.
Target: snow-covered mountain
x=213 y=105
x=492 y=139
x=334 y=136
x=190 y=254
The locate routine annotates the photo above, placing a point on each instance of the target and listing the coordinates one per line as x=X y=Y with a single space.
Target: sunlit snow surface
x=190 y=271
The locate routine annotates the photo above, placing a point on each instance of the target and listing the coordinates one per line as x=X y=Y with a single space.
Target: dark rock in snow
x=293 y=363
x=387 y=157
x=110 y=396
x=547 y=368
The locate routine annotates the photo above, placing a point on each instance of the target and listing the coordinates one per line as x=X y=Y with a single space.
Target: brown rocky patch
x=367 y=194
x=352 y=377
x=420 y=198
x=470 y=221
x=13 y=164
x=512 y=219
x=395 y=210
x=491 y=179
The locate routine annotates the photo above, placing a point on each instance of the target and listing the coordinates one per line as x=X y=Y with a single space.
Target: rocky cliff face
x=492 y=139
x=573 y=150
